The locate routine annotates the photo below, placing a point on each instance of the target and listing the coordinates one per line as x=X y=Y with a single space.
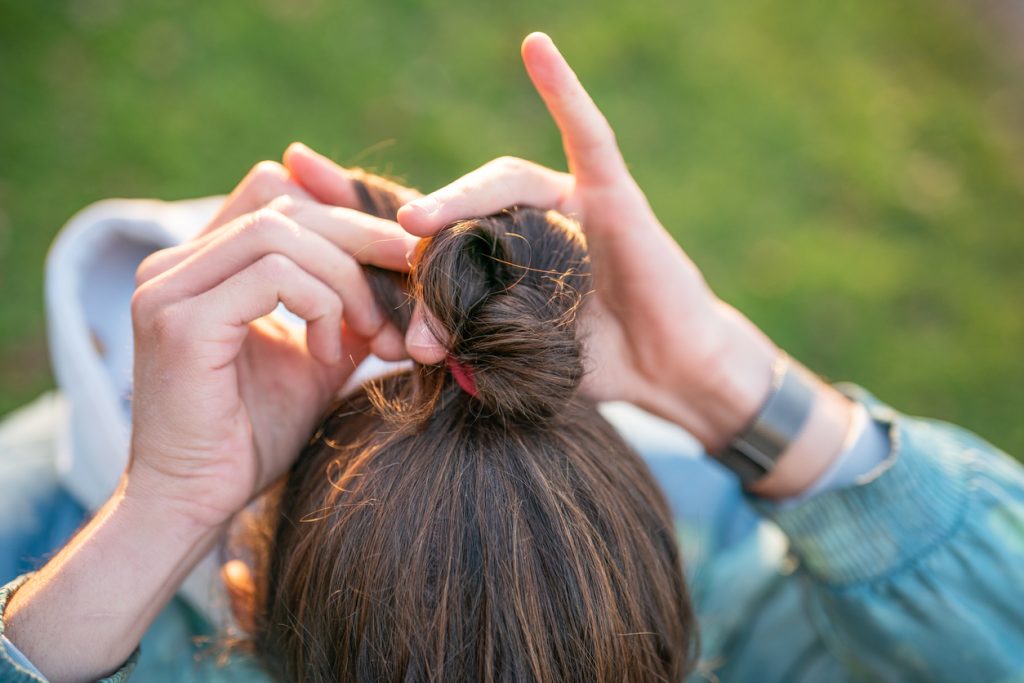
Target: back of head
x=427 y=534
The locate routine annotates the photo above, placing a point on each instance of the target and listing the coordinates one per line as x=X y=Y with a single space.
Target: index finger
x=368 y=239
x=330 y=183
x=594 y=156
x=264 y=181
x=496 y=185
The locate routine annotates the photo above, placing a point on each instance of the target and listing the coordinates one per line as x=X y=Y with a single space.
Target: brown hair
x=425 y=534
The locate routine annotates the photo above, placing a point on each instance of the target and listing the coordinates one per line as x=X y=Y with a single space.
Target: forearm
x=85 y=612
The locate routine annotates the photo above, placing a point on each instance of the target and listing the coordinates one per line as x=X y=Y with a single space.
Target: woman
x=911 y=574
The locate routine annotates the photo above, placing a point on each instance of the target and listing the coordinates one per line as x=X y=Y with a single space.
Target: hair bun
x=505 y=290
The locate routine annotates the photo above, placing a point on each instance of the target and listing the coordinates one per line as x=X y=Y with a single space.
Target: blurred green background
x=850 y=174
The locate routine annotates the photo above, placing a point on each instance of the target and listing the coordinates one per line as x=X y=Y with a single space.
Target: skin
x=224 y=397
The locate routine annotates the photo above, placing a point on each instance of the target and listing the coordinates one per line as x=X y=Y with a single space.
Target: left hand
x=657 y=336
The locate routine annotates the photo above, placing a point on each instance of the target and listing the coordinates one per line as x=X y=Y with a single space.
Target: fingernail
x=419 y=336
x=427 y=205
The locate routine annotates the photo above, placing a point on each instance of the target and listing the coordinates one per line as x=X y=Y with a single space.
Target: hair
x=426 y=534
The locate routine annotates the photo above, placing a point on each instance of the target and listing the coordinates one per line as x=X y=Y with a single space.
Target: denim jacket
x=916 y=573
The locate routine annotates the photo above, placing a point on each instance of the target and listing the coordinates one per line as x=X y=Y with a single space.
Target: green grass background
x=850 y=174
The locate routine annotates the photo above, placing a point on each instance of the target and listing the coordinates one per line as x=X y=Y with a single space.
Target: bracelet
x=755 y=452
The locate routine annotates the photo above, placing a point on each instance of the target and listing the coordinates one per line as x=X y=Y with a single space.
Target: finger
x=370 y=240
x=242 y=593
x=159 y=262
x=223 y=313
x=265 y=181
x=329 y=182
x=258 y=235
x=496 y=185
x=355 y=348
x=421 y=342
x=322 y=178
x=389 y=344
x=594 y=156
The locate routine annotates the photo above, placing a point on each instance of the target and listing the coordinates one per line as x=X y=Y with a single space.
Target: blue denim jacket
x=915 y=574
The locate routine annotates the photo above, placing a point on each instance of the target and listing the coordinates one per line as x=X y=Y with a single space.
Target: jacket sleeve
x=15 y=668
x=917 y=572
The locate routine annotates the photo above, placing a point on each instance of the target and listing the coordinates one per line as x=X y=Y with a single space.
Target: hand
x=658 y=336
x=223 y=400
x=225 y=397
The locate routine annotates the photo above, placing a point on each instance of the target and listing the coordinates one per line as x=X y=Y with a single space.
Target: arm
x=223 y=400
x=83 y=614
x=908 y=571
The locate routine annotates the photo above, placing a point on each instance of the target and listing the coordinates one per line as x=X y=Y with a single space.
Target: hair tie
x=463 y=375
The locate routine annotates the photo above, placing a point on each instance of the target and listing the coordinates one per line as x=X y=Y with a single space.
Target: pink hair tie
x=463 y=374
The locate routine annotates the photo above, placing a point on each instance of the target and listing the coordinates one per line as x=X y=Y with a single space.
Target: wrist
x=152 y=497
x=150 y=507
x=100 y=593
x=717 y=393
x=716 y=396
x=740 y=380
x=818 y=444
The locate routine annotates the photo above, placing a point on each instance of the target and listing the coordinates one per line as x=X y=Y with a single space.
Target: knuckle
x=275 y=266
x=267 y=170
x=332 y=308
x=148 y=268
x=346 y=265
x=265 y=180
x=283 y=204
x=511 y=164
x=170 y=328
x=270 y=225
x=165 y=322
x=141 y=304
x=265 y=221
x=153 y=318
x=317 y=303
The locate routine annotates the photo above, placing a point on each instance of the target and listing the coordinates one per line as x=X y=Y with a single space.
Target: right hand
x=224 y=397
x=659 y=337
